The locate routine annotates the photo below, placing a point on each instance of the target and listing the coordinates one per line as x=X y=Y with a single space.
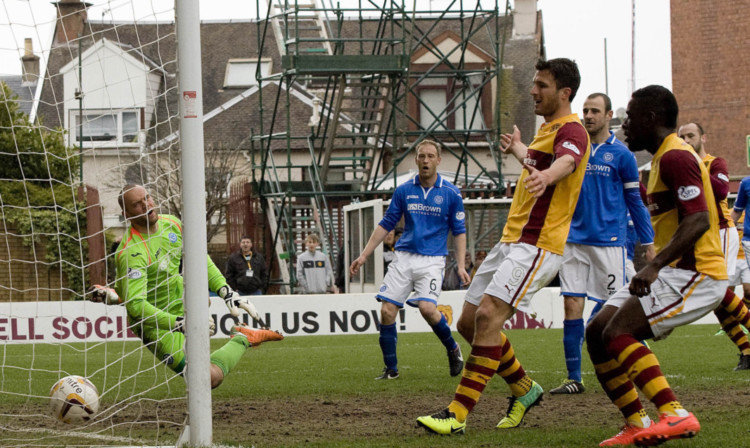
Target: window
x=241 y=72
x=112 y=126
x=452 y=102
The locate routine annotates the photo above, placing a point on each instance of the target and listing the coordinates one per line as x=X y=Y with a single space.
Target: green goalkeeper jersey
x=149 y=282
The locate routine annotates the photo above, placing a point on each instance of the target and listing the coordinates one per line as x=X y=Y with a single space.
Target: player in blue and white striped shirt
x=593 y=264
x=431 y=207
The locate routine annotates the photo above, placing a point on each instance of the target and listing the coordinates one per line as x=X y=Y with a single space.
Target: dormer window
x=105 y=128
x=241 y=72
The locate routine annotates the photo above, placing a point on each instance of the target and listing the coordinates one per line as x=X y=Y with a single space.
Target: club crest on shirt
x=460 y=216
x=688 y=192
x=608 y=157
x=134 y=274
x=438 y=200
x=172 y=237
x=383 y=288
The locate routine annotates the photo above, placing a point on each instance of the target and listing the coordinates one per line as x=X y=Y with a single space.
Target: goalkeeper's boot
x=444 y=423
x=669 y=427
x=256 y=336
x=456 y=361
x=520 y=405
x=569 y=387
x=744 y=363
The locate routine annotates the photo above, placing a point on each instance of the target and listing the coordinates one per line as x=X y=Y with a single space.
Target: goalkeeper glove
x=103 y=294
x=235 y=303
x=180 y=325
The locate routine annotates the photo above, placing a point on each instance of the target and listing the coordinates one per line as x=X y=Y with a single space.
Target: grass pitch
x=320 y=391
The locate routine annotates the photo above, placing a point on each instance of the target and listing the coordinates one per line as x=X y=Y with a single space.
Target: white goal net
x=89 y=102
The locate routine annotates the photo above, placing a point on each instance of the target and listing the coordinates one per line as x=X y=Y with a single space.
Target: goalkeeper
x=150 y=285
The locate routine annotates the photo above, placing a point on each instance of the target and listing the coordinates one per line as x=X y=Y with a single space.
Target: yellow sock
x=639 y=419
x=521 y=387
x=672 y=408
x=460 y=411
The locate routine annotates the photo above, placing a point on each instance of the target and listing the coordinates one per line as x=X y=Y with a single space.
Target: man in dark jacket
x=246 y=270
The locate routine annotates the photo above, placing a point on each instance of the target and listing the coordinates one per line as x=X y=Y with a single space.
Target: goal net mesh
x=88 y=105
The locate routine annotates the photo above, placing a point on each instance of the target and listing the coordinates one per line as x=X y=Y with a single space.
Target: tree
x=38 y=189
x=221 y=165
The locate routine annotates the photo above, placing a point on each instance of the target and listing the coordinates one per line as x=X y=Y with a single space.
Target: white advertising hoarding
x=293 y=315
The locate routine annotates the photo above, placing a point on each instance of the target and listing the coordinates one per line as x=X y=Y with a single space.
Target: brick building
x=710 y=44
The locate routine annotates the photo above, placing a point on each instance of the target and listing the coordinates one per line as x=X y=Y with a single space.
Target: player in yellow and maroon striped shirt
x=733 y=312
x=530 y=252
x=685 y=281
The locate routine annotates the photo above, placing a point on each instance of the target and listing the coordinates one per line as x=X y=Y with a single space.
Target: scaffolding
x=377 y=79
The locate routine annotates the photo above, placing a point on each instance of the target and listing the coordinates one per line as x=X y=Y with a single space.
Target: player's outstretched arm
x=377 y=237
x=538 y=181
x=511 y=144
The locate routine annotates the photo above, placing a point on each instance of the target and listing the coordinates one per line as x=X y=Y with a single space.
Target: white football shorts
x=595 y=272
x=741 y=273
x=730 y=245
x=678 y=297
x=412 y=272
x=746 y=249
x=513 y=273
x=629 y=270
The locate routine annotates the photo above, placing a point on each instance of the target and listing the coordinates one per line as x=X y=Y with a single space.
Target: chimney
x=524 y=19
x=29 y=63
x=71 y=18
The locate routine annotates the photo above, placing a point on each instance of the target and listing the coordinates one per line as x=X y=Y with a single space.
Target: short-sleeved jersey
x=544 y=222
x=610 y=190
x=719 y=172
x=148 y=274
x=429 y=213
x=679 y=185
x=742 y=203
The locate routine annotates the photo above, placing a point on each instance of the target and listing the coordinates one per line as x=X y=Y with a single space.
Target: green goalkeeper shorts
x=168 y=346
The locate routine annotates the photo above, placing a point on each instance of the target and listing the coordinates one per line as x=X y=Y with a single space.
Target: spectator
x=314 y=272
x=246 y=270
x=478 y=259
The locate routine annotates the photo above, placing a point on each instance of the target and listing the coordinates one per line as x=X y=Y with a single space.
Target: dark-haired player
x=685 y=281
x=529 y=253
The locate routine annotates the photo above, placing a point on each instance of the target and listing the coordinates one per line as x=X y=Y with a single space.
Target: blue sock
x=597 y=308
x=443 y=332
x=573 y=343
x=388 y=340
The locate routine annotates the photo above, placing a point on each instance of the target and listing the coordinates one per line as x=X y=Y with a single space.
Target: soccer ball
x=74 y=399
